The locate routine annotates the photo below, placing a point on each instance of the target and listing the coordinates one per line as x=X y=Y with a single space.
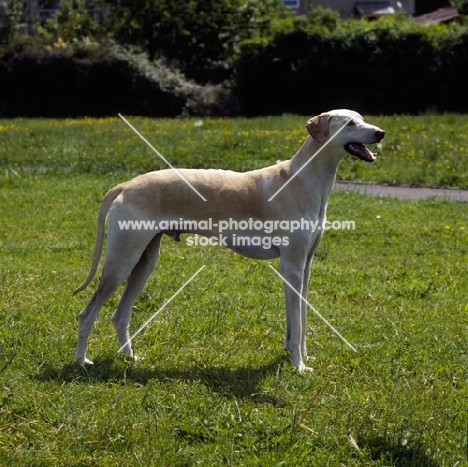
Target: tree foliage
x=193 y=32
x=10 y=20
x=460 y=5
x=71 y=22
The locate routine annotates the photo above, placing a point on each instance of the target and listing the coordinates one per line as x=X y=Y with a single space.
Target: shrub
x=68 y=80
x=392 y=65
x=195 y=34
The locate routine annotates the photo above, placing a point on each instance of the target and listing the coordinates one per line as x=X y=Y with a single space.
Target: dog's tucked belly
x=250 y=245
x=256 y=252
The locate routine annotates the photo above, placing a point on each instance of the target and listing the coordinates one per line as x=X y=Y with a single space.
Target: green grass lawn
x=215 y=386
x=421 y=151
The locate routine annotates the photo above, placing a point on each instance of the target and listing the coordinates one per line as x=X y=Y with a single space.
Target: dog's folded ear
x=318 y=128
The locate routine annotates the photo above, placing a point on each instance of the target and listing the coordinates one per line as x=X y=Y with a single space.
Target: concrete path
x=402 y=192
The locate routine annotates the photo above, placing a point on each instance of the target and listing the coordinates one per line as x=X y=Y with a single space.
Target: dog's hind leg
x=108 y=284
x=123 y=253
x=135 y=284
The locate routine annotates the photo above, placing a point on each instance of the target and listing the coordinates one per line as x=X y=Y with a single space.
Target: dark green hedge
x=304 y=66
x=377 y=67
x=71 y=80
x=60 y=83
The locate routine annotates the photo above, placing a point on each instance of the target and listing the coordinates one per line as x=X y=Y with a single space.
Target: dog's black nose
x=380 y=134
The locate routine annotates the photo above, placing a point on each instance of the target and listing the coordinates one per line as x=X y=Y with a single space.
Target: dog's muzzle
x=361 y=152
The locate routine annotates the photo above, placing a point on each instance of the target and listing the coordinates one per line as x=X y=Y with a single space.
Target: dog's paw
x=132 y=358
x=83 y=362
x=135 y=358
x=303 y=369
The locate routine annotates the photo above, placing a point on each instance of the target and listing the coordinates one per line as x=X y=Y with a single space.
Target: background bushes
x=63 y=83
x=100 y=80
x=225 y=57
x=379 y=67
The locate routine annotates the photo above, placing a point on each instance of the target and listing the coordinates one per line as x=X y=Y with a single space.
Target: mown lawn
x=215 y=386
x=420 y=151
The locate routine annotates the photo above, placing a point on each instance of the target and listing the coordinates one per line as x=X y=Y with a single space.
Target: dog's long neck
x=316 y=162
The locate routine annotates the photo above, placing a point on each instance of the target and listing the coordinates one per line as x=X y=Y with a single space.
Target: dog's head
x=347 y=130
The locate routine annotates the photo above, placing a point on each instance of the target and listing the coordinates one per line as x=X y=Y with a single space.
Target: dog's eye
x=351 y=123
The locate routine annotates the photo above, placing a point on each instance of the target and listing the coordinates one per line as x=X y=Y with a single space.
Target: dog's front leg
x=305 y=287
x=293 y=275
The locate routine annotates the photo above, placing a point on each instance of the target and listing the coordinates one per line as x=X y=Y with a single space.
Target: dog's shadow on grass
x=240 y=382
x=397 y=451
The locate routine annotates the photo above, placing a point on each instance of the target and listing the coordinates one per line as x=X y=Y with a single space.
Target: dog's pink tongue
x=364 y=152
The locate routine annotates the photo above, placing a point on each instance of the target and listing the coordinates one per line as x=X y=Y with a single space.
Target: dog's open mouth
x=360 y=151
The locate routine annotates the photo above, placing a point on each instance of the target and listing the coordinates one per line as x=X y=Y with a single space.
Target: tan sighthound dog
x=294 y=190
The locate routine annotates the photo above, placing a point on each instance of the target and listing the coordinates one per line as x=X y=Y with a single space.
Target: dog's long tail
x=108 y=199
